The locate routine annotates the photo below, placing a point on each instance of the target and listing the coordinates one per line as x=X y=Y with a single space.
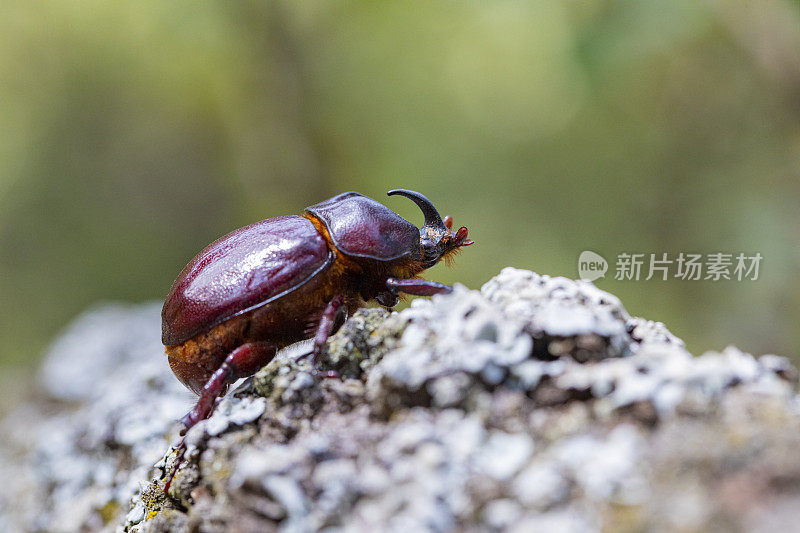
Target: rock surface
x=536 y=403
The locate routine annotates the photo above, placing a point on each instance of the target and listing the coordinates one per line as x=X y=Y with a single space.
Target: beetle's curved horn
x=432 y=217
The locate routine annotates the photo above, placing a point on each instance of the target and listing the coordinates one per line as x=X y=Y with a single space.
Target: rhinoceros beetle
x=286 y=279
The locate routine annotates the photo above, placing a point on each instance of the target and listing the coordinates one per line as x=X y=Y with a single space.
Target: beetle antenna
x=432 y=217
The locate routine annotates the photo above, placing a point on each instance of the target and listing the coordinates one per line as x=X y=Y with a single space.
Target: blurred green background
x=133 y=133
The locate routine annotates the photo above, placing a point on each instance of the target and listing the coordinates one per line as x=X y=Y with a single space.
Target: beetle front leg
x=417 y=287
x=243 y=361
x=334 y=310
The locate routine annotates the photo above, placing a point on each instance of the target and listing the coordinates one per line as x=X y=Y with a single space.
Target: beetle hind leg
x=241 y=362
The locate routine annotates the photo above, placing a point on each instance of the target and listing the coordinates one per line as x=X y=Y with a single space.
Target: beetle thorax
x=364 y=276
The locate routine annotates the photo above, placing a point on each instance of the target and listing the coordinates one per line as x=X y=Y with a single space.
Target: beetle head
x=436 y=237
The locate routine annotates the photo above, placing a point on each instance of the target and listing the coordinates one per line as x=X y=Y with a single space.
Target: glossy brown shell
x=241 y=271
x=361 y=227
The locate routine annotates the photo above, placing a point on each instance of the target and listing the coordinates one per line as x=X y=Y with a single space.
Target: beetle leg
x=333 y=313
x=180 y=451
x=417 y=287
x=243 y=361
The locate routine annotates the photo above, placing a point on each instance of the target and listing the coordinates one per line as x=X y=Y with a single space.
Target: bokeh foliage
x=134 y=133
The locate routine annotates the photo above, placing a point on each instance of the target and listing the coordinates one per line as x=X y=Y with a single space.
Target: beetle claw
x=180 y=451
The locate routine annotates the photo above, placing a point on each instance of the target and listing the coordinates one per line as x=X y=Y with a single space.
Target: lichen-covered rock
x=536 y=403
x=79 y=449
